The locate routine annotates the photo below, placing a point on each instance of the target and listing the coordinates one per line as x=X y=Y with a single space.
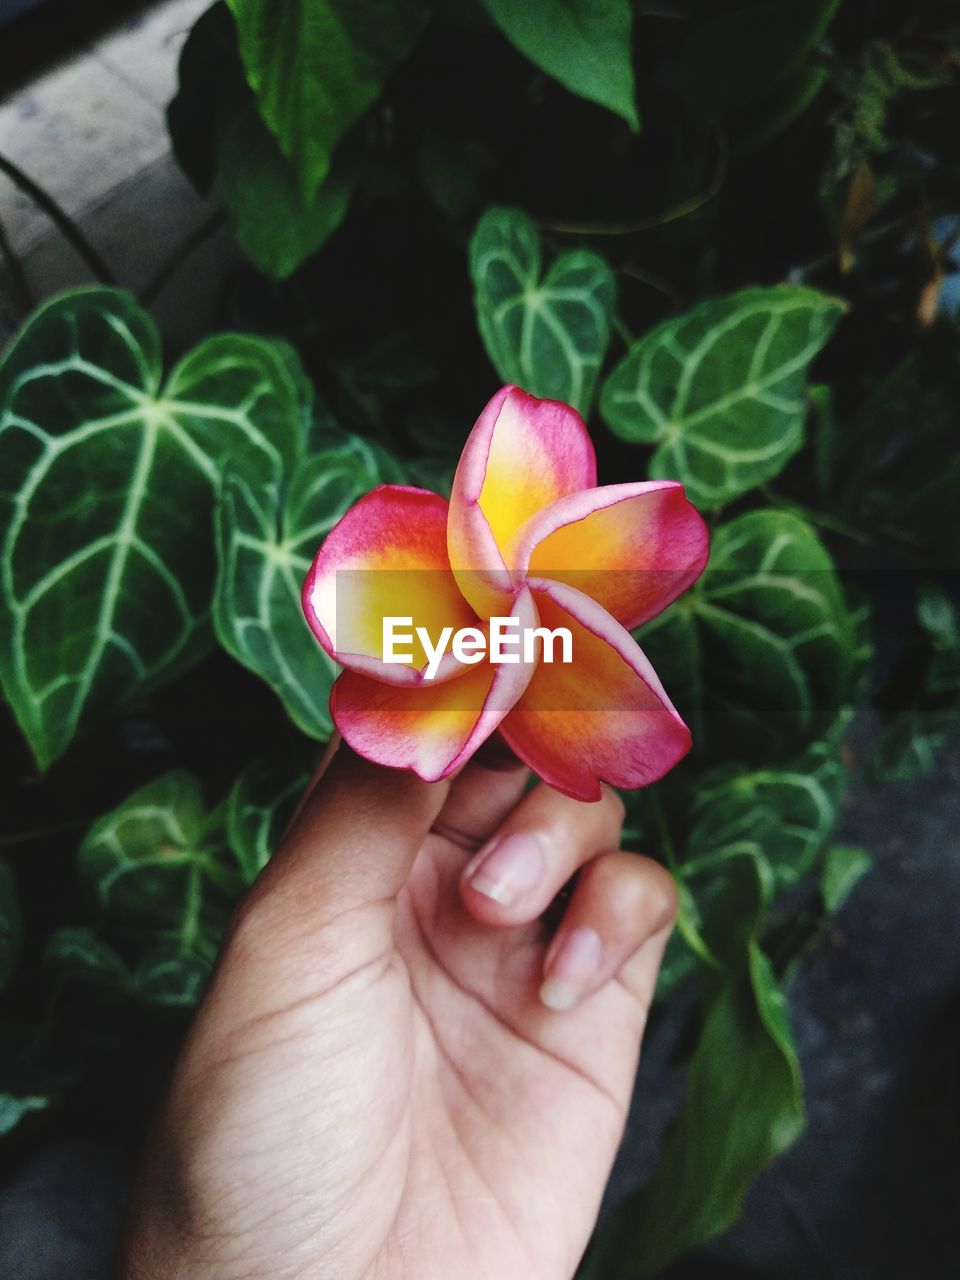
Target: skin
x=373 y=1087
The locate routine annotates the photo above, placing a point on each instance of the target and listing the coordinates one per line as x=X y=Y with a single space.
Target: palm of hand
x=409 y=1108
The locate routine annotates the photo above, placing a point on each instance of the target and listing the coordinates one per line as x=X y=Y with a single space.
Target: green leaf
x=218 y=134
x=159 y=869
x=844 y=867
x=106 y=499
x=163 y=873
x=77 y=952
x=759 y=655
x=10 y=923
x=585 y=44
x=12 y=1110
x=316 y=67
x=784 y=816
x=161 y=976
x=720 y=390
x=259 y=807
x=546 y=333
x=274 y=227
x=742 y=1108
x=267 y=535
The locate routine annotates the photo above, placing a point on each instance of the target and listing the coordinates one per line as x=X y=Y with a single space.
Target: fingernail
x=571 y=969
x=508 y=869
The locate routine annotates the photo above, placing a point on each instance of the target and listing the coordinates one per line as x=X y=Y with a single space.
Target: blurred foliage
x=728 y=233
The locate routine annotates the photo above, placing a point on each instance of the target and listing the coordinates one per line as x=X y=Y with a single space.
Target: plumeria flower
x=526 y=535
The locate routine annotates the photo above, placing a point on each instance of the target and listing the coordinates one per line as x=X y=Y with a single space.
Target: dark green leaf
x=742 y=1108
x=720 y=390
x=78 y=953
x=585 y=44
x=218 y=134
x=546 y=333
x=106 y=500
x=274 y=228
x=208 y=70
x=158 y=868
x=267 y=535
x=316 y=67
x=782 y=815
x=161 y=975
x=449 y=172
x=759 y=656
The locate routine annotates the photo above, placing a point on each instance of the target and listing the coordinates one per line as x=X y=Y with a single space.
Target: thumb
x=323 y=906
x=352 y=843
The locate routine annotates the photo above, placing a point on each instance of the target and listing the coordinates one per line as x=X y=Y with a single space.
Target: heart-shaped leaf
x=784 y=816
x=267 y=535
x=106 y=500
x=760 y=655
x=546 y=333
x=165 y=873
x=585 y=44
x=720 y=390
x=159 y=861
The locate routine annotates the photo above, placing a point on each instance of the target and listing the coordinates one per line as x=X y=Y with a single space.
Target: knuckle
x=641 y=886
x=662 y=895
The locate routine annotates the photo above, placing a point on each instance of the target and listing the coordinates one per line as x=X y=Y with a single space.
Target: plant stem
x=60 y=218
x=174 y=260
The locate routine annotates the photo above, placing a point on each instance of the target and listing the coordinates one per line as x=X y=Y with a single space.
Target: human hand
x=374 y=1087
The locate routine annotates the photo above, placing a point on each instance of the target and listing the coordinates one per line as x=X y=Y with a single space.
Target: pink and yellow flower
x=526 y=534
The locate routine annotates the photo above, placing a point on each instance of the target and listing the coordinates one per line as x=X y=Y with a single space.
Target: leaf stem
x=674 y=213
x=60 y=218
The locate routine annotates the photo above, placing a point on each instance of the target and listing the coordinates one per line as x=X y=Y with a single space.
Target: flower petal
x=631 y=547
x=386 y=557
x=523 y=454
x=604 y=717
x=431 y=729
